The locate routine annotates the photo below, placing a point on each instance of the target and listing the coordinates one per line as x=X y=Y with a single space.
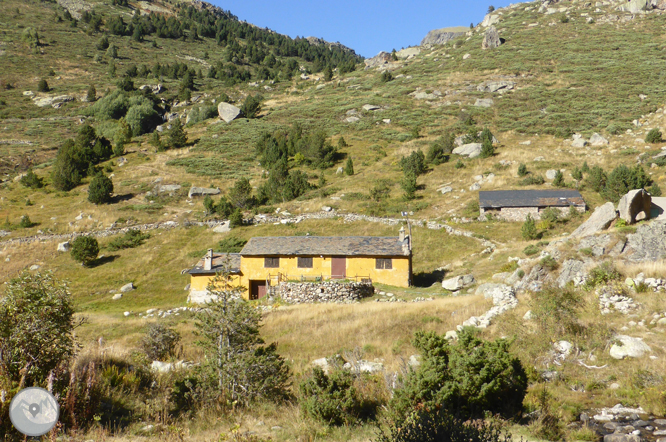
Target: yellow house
x=267 y=261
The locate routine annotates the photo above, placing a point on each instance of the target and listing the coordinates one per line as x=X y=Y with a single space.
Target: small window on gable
x=383 y=264
x=304 y=263
x=271 y=262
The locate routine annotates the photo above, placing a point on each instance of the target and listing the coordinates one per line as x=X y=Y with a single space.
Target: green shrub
x=414 y=164
x=91 y=95
x=201 y=113
x=236 y=219
x=532 y=180
x=176 y=137
x=548 y=262
x=559 y=180
x=25 y=222
x=487 y=149
x=385 y=77
x=380 y=190
x=596 y=179
x=435 y=424
x=85 y=250
x=100 y=190
x=529 y=231
x=251 y=106
x=142 y=119
x=531 y=250
x=31 y=180
x=469 y=378
x=602 y=275
x=132 y=238
x=349 y=167
x=654 y=190
x=577 y=174
x=160 y=342
x=550 y=214
x=231 y=245
x=615 y=128
x=459 y=164
x=43 y=86
x=623 y=179
x=522 y=170
x=331 y=399
x=440 y=149
x=509 y=267
x=654 y=136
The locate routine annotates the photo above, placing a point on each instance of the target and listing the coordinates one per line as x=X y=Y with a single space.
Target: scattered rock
x=117 y=296
x=496 y=86
x=371 y=107
x=471 y=150
x=597 y=244
x=167 y=188
x=629 y=347
x=602 y=217
x=222 y=228
x=34 y=267
x=484 y=102
x=634 y=203
x=467 y=56
x=597 y=140
x=55 y=102
x=445 y=190
x=228 y=112
x=326 y=208
x=491 y=39
x=127 y=288
x=379 y=60
x=64 y=246
x=352 y=119
x=634 y=6
x=490 y=20
x=551 y=174
x=203 y=191
x=126 y=314
x=458 y=282
x=451 y=335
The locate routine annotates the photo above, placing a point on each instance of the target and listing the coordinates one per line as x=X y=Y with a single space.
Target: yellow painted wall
x=252 y=268
x=200 y=282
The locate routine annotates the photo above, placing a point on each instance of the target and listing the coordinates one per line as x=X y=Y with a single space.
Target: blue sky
x=367 y=26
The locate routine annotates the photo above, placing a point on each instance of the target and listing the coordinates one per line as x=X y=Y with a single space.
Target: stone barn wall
x=328 y=291
x=519 y=214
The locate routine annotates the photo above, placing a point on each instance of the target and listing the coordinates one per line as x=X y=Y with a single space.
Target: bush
x=532 y=180
x=31 y=180
x=459 y=164
x=623 y=179
x=440 y=149
x=91 y=95
x=555 y=310
x=577 y=174
x=236 y=219
x=201 y=113
x=385 y=77
x=43 y=86
x=654 y=136
x=240 y=195
x=330 y=399
x=142 y=119
x=522 y=170
x=349 y=167
x=133 y=238
x=435 y=424
x=414 y=164
x=176 y=138
x=252 y=106
x=548 y=262
x=529 y=231
x=550 y=214
x=487 y=149
x=100 y=190
x=231 y=245
x=470 y=378
x=160 y=342
x=559 y=180
x=85 y=250
x=596 y=179
x=655 y=190
x=603 y=274
x=380 y=190
x=25 y=222
x=531 y=250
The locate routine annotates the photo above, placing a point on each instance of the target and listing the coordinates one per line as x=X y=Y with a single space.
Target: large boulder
x=203 y=191
x=471 y=150
x=597 y=244
x=491 y=39
x=648 y=243
x=490 y=20
x=496 y=86
x=228 y=112
x=633 y=203
x=444 y=35
x=602 y=217
x=407 y=53
x=658 y=4
x=64 y=246
x=458 y=282
x=379 y=60
x=484 y=102
x=628 y=347
x=597 y=140
x=572 y=270
x=635 y=6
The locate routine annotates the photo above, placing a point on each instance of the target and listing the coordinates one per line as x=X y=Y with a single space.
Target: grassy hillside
x=582 y=70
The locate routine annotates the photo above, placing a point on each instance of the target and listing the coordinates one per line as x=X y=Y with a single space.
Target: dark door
x=338 y=267
x=257 y=289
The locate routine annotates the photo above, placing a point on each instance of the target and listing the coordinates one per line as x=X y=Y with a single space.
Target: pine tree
x=328 y=73
x=487 y=149
x=522 y=170
x=92 y=94
x=177 y=137
x=559 y=180
x=100 y=190
x=529 y=230
x=42 y=86
x=349 y=167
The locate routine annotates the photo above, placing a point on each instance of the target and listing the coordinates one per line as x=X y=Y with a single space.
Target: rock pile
x=504 y=299
x=625 y=424
x=610 y=299
x=327 y=291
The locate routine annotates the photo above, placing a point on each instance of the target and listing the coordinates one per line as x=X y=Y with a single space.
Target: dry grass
x=656 y=269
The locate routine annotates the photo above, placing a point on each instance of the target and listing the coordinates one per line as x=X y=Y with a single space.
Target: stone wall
x=327 y=291
x=520 y=213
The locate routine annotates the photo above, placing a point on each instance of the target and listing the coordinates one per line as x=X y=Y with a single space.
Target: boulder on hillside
x=496 y=86
x=491 y=39
x=551 y=174
x=484 y=102
x=629 y=347
x=597 y=140
x=64 y=246
x=371 y=107
x=572 y=270
x=444 y=35
x=55 y=102
x=658 y=4
x=490 y=20
x=647 y=244
x=471 y=150
x=635 y=6
x=458 y=282
x=634 y=203
x=202 y=191
x=379 y=60
x=597 y=244
x=408 y=53
x=228 y=112
x=127 y=288
x=602 y=217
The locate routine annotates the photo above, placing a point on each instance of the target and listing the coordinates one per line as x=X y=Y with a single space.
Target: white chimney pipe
x=208 y=260
x=402 y=234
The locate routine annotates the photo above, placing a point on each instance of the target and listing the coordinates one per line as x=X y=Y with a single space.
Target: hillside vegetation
x=109 y=116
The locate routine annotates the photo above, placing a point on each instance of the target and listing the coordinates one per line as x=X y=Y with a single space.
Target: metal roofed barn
x=515 y=205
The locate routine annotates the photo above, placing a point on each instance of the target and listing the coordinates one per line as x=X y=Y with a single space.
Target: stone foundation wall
x=520 y=213
x=328 y=291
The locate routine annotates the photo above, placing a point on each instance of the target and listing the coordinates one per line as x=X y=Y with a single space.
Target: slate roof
x=219 y=261
x=496 y=199
x=326 y=246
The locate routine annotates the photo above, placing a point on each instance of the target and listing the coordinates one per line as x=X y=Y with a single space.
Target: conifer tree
x=349 y=167
x=177 y=137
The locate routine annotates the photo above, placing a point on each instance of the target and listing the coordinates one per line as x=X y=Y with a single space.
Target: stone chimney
x=208 y=260
x=402 y=234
